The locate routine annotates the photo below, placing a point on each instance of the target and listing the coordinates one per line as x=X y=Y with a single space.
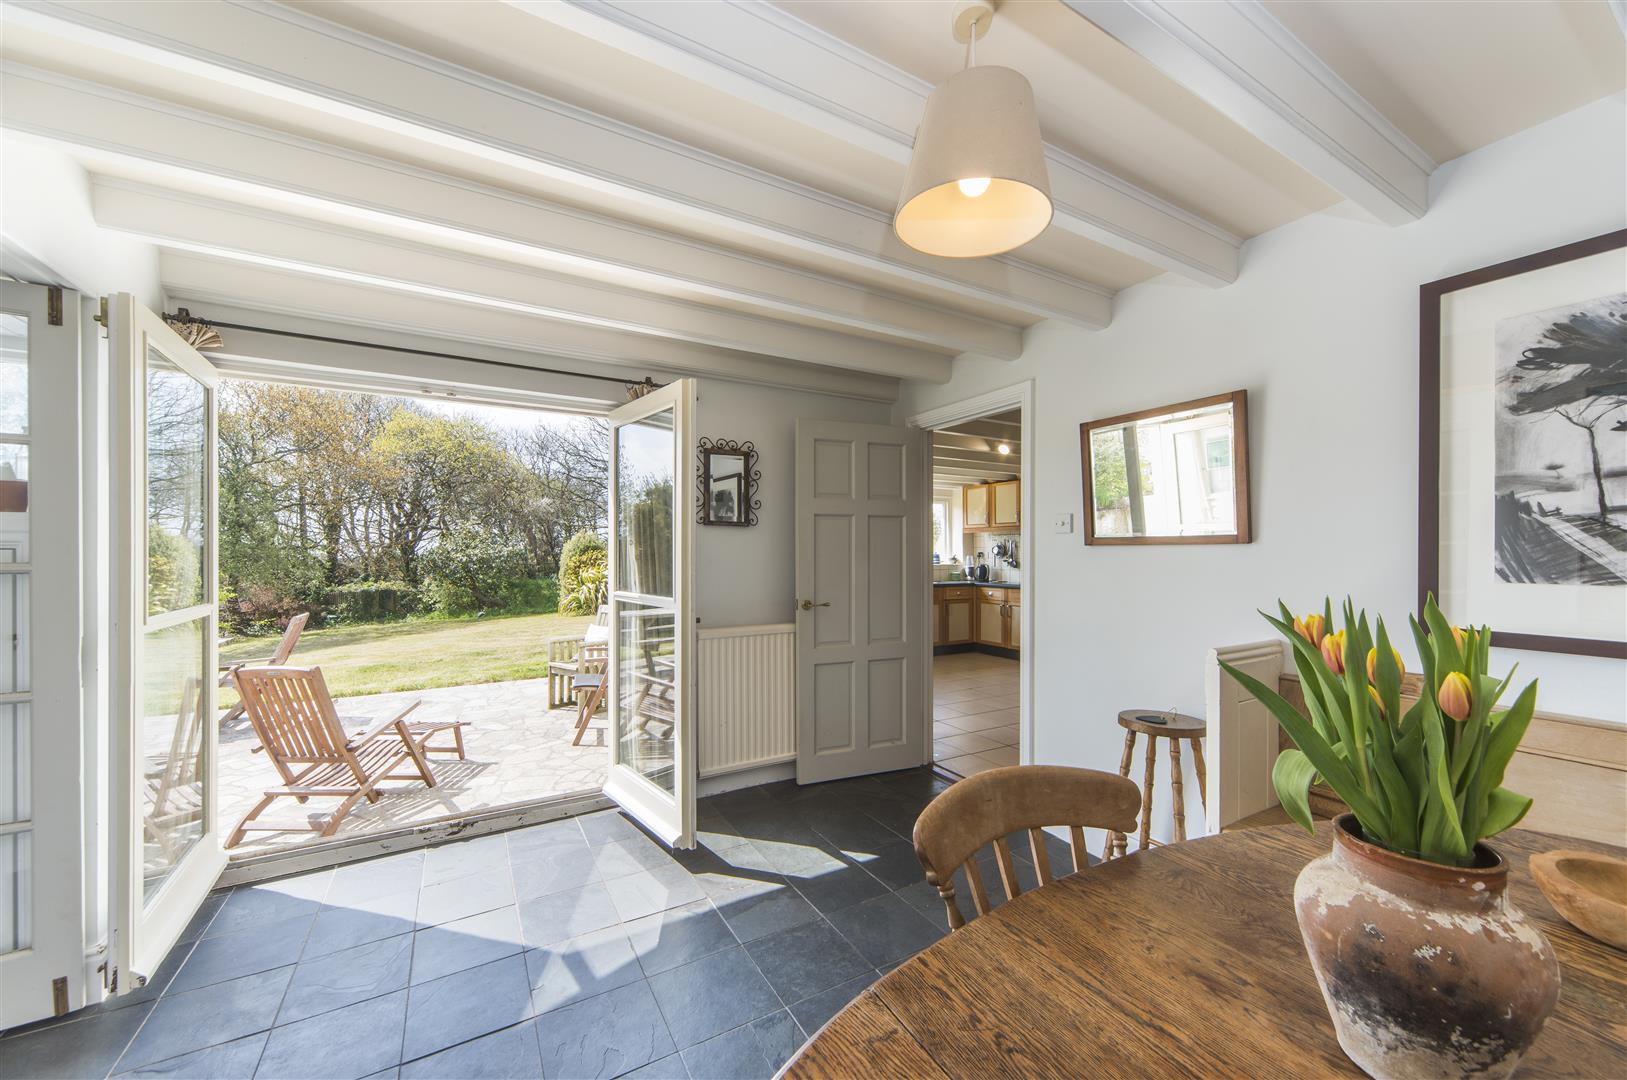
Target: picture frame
x=726 y=492
x=1174 y=440
x=1522 y=446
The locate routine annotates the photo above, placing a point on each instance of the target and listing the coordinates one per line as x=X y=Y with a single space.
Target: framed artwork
x=1175 y=474
x=1522 y=448
x=727 y=492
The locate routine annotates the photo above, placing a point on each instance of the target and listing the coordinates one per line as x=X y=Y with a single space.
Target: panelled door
x=864 y=638
x=166 y=841
x=652 y=728
x=42 y=956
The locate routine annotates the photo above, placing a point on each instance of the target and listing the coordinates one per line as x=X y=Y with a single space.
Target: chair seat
x=587 y=682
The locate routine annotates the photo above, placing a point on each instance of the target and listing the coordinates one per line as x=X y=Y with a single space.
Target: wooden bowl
x=1588 y=890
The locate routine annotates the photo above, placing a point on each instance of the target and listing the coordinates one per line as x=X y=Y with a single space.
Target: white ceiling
x=706 y=187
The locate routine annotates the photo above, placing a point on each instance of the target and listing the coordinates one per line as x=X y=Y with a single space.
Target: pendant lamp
x=976 y=183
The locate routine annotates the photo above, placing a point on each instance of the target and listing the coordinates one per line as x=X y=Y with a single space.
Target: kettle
x=980 y=572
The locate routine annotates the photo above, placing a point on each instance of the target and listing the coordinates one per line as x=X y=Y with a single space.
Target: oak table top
x=1181 y=960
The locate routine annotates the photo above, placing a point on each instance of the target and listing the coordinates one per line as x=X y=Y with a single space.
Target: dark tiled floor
x=580 y=948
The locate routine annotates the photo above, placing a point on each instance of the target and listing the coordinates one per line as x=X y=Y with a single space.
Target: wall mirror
x=1177 y=474
x=728 y=483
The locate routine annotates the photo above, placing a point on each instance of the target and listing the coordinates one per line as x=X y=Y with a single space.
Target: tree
x=1578 y=372
x=583 y=567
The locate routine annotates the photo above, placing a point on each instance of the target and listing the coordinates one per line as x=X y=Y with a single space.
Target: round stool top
x=1161 y=722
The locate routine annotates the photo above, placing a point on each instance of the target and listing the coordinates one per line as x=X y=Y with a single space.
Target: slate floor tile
x=244 y=952
x=345 y=1044
x=734 y=1055
x=609 y=827
x=466 y=943
x=649 y=891
x=465 y=896
x=509 y=1054
x=670 y=938
x=353 y=882
x=182 y=1023
x=465 y=857
x=836 y=889
x=87 y=1047
x=755 y=906
x=235 y=1060
x=895 y=865
x=630 y=856
x=361 y=921
x=541 y=871
x=254 y=906
x=806 y=960
x=812 y=1013
x=550 y=834
x=198 y=925
x=467 y=1004
x=712 y=995
x=778 y=1036
x=604 y=1036
x=885 y=930
x=582 y=967
x=346 y=977
x=670 y=1067
x=566 y=914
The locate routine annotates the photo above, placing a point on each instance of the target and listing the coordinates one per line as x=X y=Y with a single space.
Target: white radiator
x=746 y=677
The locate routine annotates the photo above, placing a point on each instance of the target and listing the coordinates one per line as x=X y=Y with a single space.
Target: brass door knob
x=809 y=605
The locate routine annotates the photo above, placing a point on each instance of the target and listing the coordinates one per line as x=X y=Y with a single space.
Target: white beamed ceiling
x=707 y=186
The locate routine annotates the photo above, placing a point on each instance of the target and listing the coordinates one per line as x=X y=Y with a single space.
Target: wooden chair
x=278 y=657
x=989 y=806
x=174 y=792
x=565 y=655
x=293 y=714
x=590 y=685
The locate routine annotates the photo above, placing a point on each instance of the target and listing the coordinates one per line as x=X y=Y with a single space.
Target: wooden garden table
x=1182 y=960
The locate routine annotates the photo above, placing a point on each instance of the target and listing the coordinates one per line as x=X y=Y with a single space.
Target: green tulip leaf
x=1292 y=776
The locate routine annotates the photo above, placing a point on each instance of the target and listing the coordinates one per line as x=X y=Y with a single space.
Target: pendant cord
x=971 y=47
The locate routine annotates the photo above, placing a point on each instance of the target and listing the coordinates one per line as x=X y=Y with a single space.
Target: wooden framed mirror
x=1176 y=474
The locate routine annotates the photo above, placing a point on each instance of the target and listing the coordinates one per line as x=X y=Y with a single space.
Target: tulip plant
x=1426 y=782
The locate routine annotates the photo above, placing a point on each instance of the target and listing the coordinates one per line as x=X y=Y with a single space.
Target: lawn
x=420 y=653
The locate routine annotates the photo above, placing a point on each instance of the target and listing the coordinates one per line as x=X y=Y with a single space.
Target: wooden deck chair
x=174 y=792
x=278 y=657
x=565 y=656
x=590 y=685
x=656 y=683
x=293 y=714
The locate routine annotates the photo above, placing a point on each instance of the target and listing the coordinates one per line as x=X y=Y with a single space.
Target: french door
x=652 y=730
x=42 y=846
x=164 y=837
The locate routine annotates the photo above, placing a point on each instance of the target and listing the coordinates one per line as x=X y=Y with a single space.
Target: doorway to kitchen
x=978 y=560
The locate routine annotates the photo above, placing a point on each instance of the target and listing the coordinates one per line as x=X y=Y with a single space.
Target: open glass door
x=166 y=845
x=652 y=736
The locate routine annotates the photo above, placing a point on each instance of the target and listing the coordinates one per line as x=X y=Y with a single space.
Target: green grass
x=418 y=654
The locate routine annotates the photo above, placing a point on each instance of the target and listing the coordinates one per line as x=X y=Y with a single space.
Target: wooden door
x=991 y=617
x=862 y=568
x=1006 y=503
x=957 y=617
x=975 y=498
x=1014 y=622
x=937 y=620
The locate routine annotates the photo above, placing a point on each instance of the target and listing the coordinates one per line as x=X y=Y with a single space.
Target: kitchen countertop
x=979 y=584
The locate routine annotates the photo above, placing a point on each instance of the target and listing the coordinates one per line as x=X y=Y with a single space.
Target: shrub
x=371 y=601
x=533 y=596
x=584 y=568
x=469 y=569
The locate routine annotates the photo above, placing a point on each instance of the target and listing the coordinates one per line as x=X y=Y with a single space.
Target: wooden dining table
x=1183 y=960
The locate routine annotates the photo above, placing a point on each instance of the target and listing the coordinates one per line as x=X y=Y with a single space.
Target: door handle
x=809 y=605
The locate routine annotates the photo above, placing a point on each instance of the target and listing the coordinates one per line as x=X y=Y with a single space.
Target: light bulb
x=1004 y=448
x=973 y=186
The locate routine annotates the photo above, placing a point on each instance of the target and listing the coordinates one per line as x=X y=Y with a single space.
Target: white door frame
x=48 y=975
x=1019 y=396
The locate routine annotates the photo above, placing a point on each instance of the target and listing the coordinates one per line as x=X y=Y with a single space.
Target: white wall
x=45 y=211
x=744 y=577
x=1322 y=330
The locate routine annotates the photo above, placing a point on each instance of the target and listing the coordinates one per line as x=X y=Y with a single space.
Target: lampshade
x=979 y=126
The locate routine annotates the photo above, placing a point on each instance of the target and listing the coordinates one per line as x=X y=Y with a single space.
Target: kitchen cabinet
x=1005 y=504
x=997 y=611
x=953 y=615
x=992 y=506
x=975 y=500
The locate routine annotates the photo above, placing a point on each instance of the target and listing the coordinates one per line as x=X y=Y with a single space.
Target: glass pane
x=14 y=635
x=644 y=505
x=177 y=423
x=648 y=700
x=13 y=374
x=13 y=502
x=16 y=797
x=171 y=746
x=16 y=891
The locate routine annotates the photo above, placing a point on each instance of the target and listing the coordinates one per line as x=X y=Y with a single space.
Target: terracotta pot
x=1427 y=970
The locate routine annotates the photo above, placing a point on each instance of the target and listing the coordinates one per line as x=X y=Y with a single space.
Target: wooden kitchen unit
x=977 y=617
x=991 y=506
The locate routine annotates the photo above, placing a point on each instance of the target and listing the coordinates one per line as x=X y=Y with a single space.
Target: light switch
x=1064 y=523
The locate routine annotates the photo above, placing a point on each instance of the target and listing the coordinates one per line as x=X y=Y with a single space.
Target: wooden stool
x=1175 y=727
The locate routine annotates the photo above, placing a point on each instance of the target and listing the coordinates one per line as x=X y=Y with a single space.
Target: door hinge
x=59 y=995
x=101 y=315
x=53 y=306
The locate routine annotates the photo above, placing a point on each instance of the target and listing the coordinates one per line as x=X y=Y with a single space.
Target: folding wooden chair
x=590 y=684
x=175 y=796
x=293 y=714
x=566 y=656
x=278 y=657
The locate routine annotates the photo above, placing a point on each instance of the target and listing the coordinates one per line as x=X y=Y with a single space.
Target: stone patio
x=518 y=749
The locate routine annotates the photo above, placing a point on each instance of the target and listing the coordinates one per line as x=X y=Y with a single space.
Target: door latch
x=809 y=605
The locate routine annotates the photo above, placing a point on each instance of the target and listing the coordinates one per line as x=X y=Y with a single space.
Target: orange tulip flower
x=1333 y=652
x=1455 y=696
x=1311 y=628
x=1372 y=663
